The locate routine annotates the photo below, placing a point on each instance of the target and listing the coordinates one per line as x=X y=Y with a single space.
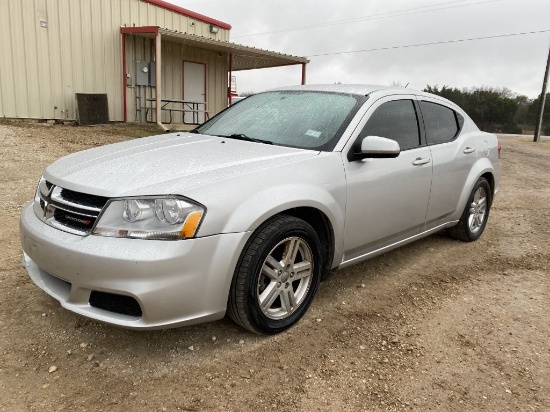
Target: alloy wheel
x=478 y=210
x=285 y=278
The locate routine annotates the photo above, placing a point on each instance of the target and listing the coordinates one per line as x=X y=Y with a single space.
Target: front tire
x=475 y=215
x=277 y=276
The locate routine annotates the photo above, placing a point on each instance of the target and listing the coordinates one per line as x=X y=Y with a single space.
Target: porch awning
x=243 y=57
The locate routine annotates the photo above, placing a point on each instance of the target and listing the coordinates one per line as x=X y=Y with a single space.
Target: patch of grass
x=131 y=130
x=23 y=123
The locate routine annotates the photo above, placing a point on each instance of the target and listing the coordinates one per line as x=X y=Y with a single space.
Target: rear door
x=387 y=199
x=453 y=153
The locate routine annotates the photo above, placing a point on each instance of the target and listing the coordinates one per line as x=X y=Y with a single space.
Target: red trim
x=142 y=29
x=157 y=68
x=124 y=76
x=303 y=73
x=188 y=13
x=158 y=81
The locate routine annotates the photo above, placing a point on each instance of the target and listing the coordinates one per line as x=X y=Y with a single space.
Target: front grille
x=125 y=305
x=67 y=210
x=83 y=198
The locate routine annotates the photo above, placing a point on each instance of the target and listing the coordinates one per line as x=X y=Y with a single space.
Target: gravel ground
x=437 y=325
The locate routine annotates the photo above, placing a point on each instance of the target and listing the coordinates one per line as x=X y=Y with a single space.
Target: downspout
x=158 y=81
x=124 y=102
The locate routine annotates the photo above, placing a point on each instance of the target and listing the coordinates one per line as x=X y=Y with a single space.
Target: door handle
x=421 y=161
x=469 y=150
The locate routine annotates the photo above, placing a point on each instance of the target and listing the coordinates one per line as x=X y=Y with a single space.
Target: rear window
x=442 y=124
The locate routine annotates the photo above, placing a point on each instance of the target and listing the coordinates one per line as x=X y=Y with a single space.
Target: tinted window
x=440 y=123
x=397 y=121
x=304 y=119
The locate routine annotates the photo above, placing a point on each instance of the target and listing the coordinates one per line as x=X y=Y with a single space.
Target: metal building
x=155 y=61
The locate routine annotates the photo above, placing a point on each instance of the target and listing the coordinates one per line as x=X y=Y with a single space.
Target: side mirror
x=377 y=147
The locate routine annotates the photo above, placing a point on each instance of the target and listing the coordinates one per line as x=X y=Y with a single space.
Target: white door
x=194 y=92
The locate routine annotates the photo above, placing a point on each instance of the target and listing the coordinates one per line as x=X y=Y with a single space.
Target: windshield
x=303 y=119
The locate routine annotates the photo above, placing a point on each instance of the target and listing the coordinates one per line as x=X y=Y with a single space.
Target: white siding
x=80 y=51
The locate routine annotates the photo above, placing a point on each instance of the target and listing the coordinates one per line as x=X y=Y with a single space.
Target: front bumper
x=175 y=282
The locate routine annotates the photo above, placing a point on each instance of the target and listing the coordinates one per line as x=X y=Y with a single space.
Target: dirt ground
x=438 y=325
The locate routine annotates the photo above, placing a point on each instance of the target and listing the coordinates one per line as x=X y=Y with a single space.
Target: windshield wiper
x=242 y=136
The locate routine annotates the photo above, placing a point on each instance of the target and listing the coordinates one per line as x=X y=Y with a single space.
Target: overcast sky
x=516 y=62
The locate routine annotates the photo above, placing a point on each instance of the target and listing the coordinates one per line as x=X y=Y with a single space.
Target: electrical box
x=142 y=73
x=152 y=74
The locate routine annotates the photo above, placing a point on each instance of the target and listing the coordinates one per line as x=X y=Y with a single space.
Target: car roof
x=361 y=89
x=365 y=90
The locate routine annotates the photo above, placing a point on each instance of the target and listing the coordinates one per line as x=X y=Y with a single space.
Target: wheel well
x=491 y=179
x=321 y=224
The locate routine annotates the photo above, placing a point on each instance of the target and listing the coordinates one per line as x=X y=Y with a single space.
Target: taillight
x=499 y=147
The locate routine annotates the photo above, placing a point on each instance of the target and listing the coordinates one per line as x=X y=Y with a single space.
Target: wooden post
x=542 y=101
x=158 y=81
x=229 y=80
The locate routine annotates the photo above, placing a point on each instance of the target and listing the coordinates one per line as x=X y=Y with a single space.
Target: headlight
x=168 y=218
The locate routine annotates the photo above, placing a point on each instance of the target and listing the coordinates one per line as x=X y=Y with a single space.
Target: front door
x=387 y=199
x=194 y=92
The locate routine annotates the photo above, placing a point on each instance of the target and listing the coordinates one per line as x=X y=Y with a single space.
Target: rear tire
x=277 y=276
x=475 y=215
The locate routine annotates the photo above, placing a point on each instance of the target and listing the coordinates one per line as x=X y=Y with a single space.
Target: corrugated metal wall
x=173 y=54
x=52 y=49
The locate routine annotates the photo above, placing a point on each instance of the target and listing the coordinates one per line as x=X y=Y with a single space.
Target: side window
x=395 y=120
x=442 y=124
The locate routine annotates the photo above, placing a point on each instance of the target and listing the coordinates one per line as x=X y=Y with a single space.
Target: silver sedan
x=247 y=214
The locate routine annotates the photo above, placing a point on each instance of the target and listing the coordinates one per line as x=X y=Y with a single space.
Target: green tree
x=493 y=110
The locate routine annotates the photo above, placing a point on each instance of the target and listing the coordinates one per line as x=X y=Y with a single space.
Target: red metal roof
x=188 y=13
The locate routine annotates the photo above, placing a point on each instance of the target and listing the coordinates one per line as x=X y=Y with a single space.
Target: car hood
x=166 y=164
